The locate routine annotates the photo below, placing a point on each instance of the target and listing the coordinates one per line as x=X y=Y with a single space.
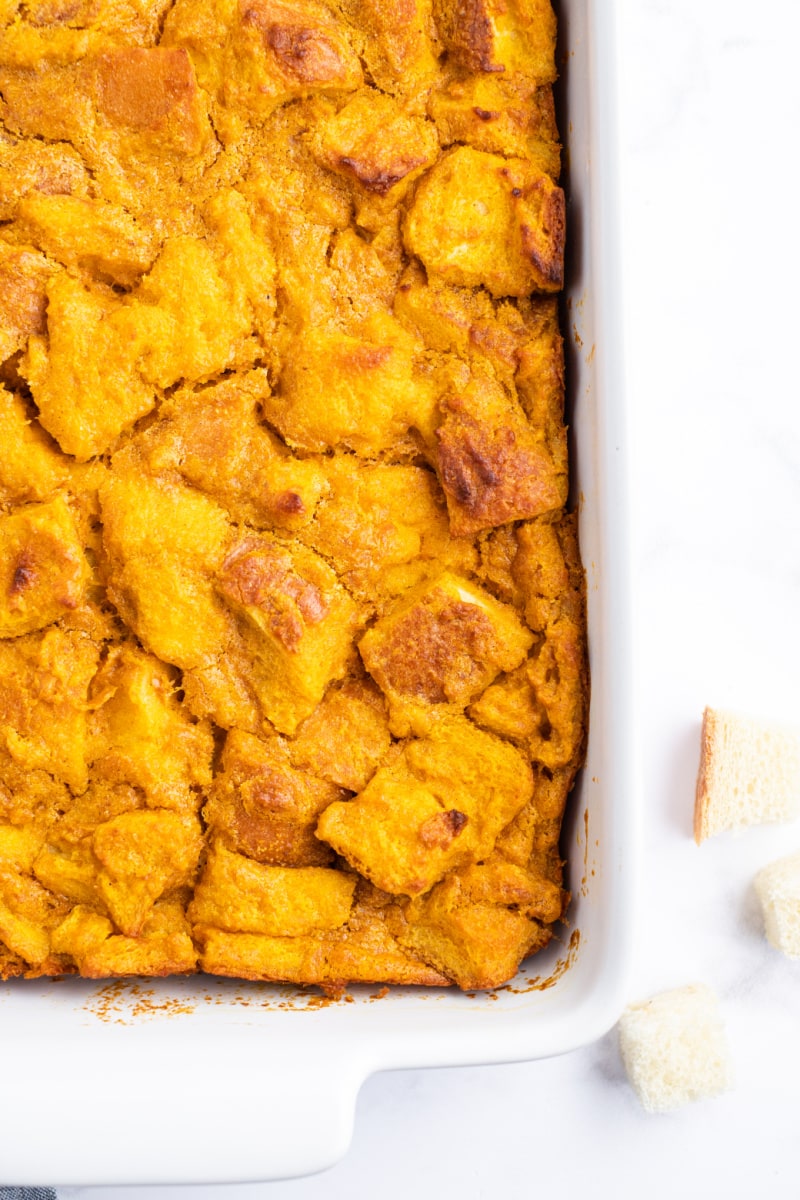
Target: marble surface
x=710 y=100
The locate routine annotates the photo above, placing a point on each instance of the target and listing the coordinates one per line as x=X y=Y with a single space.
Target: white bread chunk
x=778 y=889
x=749 y=774
x=674 y=1048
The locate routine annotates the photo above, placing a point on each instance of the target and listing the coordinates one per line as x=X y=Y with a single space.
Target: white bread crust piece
x=749 y=773
x=778 y=889
x=674 y=1048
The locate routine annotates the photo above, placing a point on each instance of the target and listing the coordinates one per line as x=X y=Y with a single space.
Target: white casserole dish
x=183 y=1081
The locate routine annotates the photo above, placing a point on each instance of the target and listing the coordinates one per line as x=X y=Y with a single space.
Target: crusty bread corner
x=778 y=889
x=675 y=1049
x=749 y=773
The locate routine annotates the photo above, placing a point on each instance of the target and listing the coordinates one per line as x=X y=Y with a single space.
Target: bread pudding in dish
x=293 y=674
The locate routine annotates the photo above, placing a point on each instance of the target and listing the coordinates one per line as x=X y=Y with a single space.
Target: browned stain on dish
x=585 y=876
x=537 y=983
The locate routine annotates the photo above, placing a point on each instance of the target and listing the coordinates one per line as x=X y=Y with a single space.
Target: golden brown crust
x=292 y=664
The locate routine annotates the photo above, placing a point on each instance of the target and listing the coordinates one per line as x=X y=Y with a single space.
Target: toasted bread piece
x=778 y=889
x=749 y=774
x=674 y=1048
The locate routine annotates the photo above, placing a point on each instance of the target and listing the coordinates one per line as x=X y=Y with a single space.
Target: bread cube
x=542 y=704
x=358 y=391
x=397 y=43
x=163 y=946
x=24 y=275
x=674 y=1048
x=31 y=467
x=189 y=321
x=439 y=805
x=19 y=846
x=85 y=376
x=267 y=53
x=494 y=466
x=28 y=914
x=144 y=855
x=262 y=806
x=151 y=94
x=778 y=889
x=383 y=527
x=299 y=624
x=442 y=644
x=490 y=114
x=23 y=936
x=213 y=438
x=141 y=735
x=373 y=141
x=164 y=544
x=43 y=571
x=242 y=896
x=364 y=950
x=70 y=871
x=87 y=235
x=44 y=684
x=749 y=773
x=480 y=219
x=477 y=944
x=33 y=166
x=500 y=35
x=346 y=737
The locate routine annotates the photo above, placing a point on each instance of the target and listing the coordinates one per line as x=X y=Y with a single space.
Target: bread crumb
x=674 y=1048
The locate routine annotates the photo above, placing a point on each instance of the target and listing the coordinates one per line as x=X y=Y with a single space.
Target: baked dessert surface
x=292 y=665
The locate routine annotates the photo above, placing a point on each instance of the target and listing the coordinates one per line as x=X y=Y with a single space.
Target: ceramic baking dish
x=200 y=1080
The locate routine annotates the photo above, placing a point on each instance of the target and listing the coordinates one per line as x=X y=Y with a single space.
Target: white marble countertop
x=711 y=240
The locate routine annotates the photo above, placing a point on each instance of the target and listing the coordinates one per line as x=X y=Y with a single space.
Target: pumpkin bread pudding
x=292 y=666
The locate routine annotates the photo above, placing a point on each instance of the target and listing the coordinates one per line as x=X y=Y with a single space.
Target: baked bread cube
x=355 y=390
x=44 y=686
x=443 y=644
x=346 y=736
x=84 y=375
x=301 y=623
x=474 y=942
x=239 y=895
x=163 y=946
x=30 y=466
x=492 y=113
x=500 y=36
x=675 y=1049
x=397 y=43
x=24 y=274
x=254 y=57
x=143 y=856
x=262 y=806
x=31 y=166
x=164 y=588
x=440 y=804
x=88 y=235
x=214 y=440
x=482 y=220
x=749 y=774
x=141 y=735
x=384 y=528
x=778 y=889
x=375 y=143
x=494 y=466
x=43 y=571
